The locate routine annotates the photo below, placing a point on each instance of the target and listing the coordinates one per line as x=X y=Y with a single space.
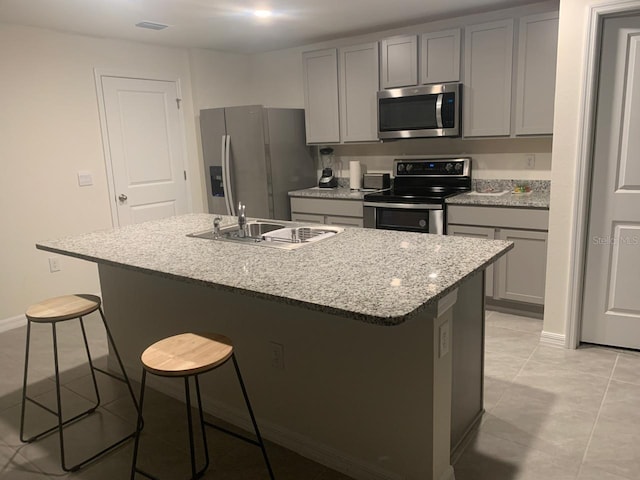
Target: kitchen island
x=347 y=345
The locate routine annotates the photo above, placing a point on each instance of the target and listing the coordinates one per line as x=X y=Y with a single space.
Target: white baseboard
x=552 y=339
x=12 y=322
x=300 y=444
x=448 y=474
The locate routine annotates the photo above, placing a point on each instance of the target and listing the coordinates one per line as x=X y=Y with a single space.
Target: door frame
x=582 y=194
x=98 y=74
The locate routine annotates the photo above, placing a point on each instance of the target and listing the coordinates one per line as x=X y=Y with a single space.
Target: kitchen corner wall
x=50 y=130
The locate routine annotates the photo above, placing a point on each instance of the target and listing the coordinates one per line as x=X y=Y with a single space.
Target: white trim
x=582 y=193
x=552 y=339
x=448 y=474
x=446 y=302
x=98 y=74
x=12 y=322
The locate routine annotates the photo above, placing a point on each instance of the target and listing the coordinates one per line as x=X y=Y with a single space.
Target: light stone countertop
x=339 y=193
x=376 y=276
x=527 y=200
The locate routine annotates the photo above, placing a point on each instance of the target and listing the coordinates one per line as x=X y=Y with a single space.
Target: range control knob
x=401 y=167
x=409 y=167
x=449 y=167
x=458 y=167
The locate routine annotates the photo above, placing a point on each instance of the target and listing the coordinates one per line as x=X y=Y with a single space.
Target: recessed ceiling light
x=262 y=13
x=152 y=25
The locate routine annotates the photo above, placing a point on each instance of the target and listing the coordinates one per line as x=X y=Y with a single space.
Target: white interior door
x=611 y=297
x=146 y=148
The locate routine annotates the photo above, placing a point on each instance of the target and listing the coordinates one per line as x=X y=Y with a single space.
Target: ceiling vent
x=152 y=25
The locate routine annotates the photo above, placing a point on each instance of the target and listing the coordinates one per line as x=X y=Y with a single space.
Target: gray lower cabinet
x=487 y=233
x=346 y=213
x=522 y=272
x=520 y=275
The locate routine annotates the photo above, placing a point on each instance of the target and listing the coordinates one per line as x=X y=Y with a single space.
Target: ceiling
x=230 y=25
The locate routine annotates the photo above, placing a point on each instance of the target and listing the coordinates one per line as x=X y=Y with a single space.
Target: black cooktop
x=413 y=195
x=425 y=180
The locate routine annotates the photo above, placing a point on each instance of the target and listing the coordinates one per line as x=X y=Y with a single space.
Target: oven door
x=408 y=217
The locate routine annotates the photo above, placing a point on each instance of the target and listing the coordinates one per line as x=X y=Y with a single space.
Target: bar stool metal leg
x=253 y=418
x=112 y=344
x=25 y=397
x=139 y=427
x=61 y=424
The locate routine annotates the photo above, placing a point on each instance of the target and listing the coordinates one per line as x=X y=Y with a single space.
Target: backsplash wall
x=501 y=158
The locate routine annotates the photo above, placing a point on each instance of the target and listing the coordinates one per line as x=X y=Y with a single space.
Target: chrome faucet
x=242 y=220
x=216 y=227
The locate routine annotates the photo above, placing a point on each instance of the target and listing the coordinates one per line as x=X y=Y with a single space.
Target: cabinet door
x=344 y=221
x=536 y=77
x=487 y=85
x=440 y=57
x=320 y=77
x=522 y=271
x=358 y=88
x=477 y=232
x=399 y=66
x=307 y=218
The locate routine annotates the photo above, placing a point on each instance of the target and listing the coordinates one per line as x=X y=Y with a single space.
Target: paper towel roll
x=355 y=175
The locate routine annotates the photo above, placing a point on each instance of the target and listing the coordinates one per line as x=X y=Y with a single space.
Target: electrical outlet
x=530 y=160
x=444 y=339
x=54 y=264
x=277 y=355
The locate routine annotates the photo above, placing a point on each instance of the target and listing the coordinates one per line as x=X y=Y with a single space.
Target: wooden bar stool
x=189 y=355
x=54 y=311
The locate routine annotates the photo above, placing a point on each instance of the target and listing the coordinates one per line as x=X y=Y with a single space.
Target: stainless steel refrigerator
x=255 y=155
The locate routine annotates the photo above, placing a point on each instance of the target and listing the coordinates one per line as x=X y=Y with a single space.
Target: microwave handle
x=439 y=110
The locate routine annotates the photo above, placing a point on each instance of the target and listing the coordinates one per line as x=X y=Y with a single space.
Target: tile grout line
x=595 y=422
x=515 y=376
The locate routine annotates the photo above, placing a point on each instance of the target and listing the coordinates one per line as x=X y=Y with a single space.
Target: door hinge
x=178 y=100
x=185 y=174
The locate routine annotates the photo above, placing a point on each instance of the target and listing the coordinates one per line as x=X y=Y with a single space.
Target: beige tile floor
x=551 y=414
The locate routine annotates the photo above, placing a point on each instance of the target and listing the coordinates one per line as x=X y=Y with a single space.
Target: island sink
x=271 y=234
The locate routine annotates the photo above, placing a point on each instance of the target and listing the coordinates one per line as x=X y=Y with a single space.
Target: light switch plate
x=85 y=179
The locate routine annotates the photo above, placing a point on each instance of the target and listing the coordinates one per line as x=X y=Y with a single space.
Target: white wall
x=571 y=68
x=50 y=130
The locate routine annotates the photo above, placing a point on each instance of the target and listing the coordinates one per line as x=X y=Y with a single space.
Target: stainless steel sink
x=254 y=230
x=273 y=235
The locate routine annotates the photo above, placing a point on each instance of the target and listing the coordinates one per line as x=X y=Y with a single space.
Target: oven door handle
x=404 y=206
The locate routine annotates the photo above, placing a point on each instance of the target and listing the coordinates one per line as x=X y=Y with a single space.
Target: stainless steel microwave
x=423 y=111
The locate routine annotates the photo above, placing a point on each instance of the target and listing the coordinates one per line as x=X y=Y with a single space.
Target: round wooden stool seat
x=63 y=308
x=187 y=354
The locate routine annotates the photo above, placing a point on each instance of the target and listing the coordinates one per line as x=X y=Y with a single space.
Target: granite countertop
x=537 y=198
x=527 y=200
x=338 y=193
x=376 y=276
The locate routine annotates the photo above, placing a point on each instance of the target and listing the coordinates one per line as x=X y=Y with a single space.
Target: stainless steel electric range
x=416 y=201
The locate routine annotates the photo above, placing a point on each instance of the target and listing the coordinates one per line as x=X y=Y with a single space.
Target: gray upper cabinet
x=399 y=61
x=320 y=77
x=537 y=48
x=358 y=88
x=440 y=56
x=487 y=82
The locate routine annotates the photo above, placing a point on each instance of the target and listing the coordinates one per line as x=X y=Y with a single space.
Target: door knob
x=122 y=197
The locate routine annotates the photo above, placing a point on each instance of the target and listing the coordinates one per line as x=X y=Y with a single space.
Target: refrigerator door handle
x=225 y=176
x=229 y=187
x=223 y=151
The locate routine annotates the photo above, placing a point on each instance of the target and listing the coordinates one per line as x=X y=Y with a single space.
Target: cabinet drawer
x=307 y=218
x=501 y=217
x=345 y=221
x=345 y=208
